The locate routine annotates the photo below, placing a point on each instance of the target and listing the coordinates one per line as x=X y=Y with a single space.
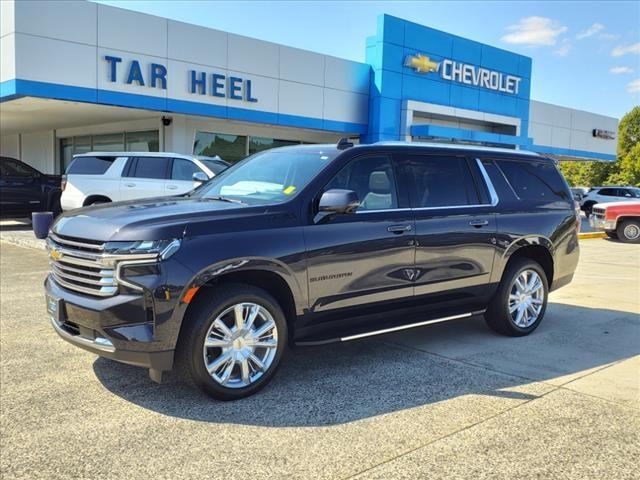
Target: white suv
x=102 y=177
x=607 y=195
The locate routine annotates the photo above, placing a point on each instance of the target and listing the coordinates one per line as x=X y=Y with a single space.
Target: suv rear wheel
x=233 y=341
x=520 y=303
x=629 y=231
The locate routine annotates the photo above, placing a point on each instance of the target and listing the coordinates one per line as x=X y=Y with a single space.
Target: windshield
x=268 y=177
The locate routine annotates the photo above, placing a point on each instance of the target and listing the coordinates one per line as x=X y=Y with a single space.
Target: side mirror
x=336 y=202
x=627 y=195
x=200 y=177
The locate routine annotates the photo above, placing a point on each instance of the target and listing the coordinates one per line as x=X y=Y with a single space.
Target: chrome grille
x=80 y=265
x=598 y=212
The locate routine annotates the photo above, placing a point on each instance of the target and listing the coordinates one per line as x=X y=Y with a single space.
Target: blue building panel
x=466 y=50
x=430 y=66
x=437 y=42
x=464 y=97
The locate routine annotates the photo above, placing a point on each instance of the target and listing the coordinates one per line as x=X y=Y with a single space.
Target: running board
x=389 y=330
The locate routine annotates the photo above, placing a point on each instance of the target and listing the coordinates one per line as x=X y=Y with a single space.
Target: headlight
x=163 y=248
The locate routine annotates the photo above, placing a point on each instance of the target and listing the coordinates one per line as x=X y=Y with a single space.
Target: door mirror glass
x=338 y=201
x=200 y=177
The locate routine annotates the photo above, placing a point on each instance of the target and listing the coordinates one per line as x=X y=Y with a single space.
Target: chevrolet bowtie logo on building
x=421 y=63
x=465 y=73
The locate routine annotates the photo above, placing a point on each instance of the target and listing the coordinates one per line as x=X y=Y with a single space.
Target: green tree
x=628 y=132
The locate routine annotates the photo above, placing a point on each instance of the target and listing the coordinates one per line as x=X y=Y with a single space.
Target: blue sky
x=586 y=55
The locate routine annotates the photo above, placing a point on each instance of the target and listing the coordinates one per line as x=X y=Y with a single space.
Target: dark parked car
x=308 y=245
x=24 y=190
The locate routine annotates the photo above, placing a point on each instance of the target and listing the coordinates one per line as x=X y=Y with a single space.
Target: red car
x=619 y=220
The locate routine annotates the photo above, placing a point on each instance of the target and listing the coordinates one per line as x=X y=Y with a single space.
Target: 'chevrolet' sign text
x=465 y=73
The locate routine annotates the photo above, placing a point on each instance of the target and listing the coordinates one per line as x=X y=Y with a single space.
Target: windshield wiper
x=224 y=199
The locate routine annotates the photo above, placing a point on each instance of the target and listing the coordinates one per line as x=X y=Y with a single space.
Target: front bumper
x=116 y=328
x=598 y=223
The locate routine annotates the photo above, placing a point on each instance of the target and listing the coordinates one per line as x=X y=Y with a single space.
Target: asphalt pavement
x=452 y=400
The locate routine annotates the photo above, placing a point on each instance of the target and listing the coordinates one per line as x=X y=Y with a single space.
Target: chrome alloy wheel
x=631 y=231
x=526 y=298
x=240 y=345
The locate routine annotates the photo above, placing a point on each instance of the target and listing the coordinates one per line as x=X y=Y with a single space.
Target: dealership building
x=80 y=76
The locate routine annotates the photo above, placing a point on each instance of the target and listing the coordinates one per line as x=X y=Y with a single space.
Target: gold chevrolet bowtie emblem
x=55 y=254
x=421 y=63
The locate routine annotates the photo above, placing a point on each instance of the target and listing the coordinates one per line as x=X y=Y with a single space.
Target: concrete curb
x=585 y=235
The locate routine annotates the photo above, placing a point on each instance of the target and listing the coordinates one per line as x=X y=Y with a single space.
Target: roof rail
x=344 y=143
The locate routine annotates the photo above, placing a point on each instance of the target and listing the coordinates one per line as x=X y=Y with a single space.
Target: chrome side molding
x=405 y=327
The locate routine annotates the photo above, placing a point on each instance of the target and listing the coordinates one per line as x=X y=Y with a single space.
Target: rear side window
x=535 y=181
x=149 y=167
x=441 y=181
x=89 y=165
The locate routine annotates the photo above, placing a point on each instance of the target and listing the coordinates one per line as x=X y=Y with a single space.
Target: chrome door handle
x=129 y=184
x=399 y=228
x=478 y=223
x=172 y=187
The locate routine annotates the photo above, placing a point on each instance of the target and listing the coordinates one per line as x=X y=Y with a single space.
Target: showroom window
x=145 y=141
x=232 y=148
x=258 y=144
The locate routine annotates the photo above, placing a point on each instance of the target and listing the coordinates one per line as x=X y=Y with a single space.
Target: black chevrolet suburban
x=308 y=245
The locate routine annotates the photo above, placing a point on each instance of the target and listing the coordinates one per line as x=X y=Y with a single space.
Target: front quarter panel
x=273 y=243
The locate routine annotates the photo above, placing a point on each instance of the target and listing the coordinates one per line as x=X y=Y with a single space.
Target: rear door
x=455 y=227
x=144 y=177
x=181 y=177
x=364 y=259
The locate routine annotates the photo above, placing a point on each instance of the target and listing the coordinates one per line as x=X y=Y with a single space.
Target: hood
x=617 y=204
x=150 y=219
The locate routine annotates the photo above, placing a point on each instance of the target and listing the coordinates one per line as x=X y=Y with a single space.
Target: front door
x=455 y=228
x=364 y=258
x=180 y=180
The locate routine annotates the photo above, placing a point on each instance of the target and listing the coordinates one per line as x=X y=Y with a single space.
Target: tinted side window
x=372 y=178
x=535 y=180
x=441 y=181
x=150 y=167
x=183 y=169
x=16 y=169
x=607 y=192
x=89 y=165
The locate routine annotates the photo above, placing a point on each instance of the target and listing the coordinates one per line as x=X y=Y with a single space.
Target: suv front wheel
x=520 y=302
x=233 y=341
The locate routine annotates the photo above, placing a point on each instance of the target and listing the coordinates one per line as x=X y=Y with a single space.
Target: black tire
x=587 y=208
x=190 y=359
x=611 y=234
x=628 y=231
x=497 y=315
